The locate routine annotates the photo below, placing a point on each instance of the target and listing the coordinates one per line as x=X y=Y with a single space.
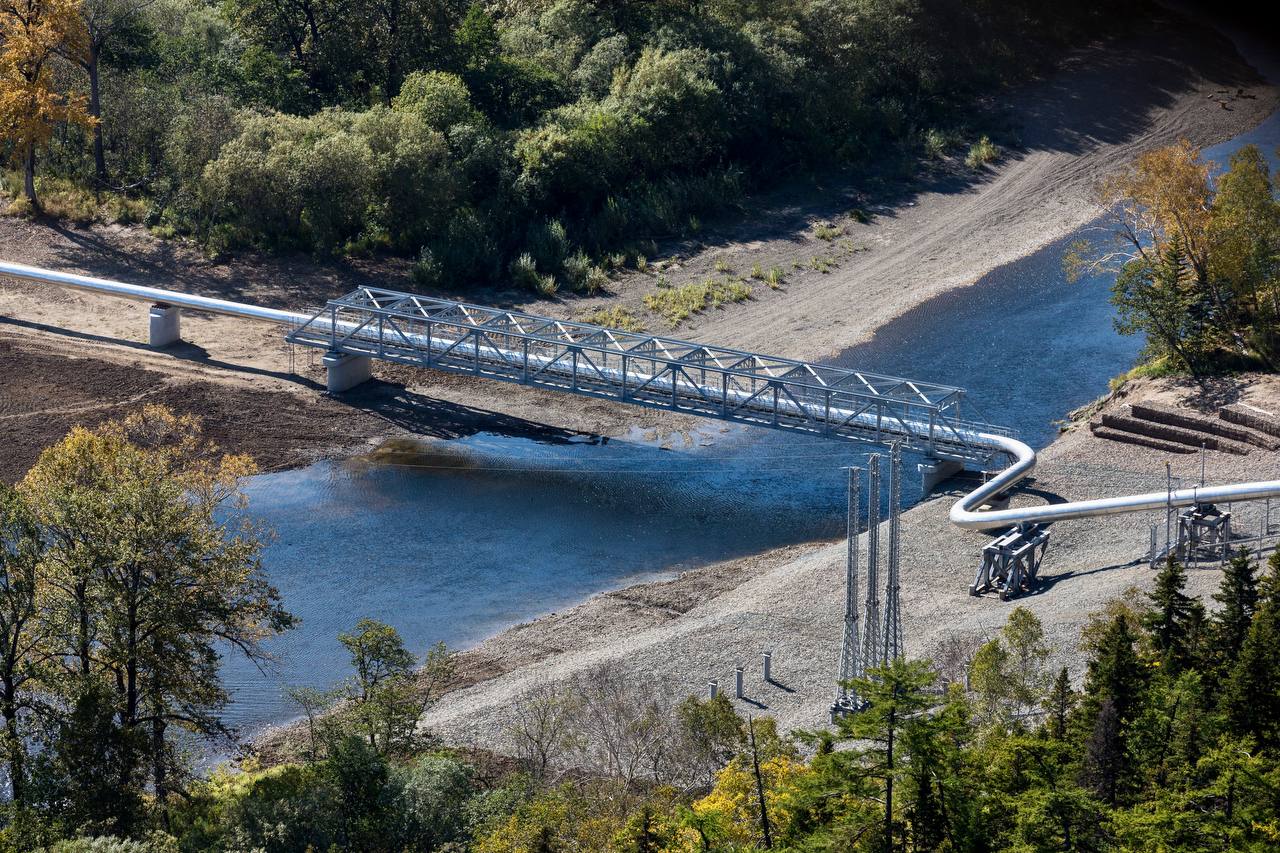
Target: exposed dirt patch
x=277 y=428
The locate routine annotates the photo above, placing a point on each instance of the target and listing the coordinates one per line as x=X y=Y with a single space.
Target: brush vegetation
x=471 y=135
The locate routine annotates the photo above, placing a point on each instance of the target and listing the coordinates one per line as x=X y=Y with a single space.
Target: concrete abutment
x=344 y=372
x=935 y=471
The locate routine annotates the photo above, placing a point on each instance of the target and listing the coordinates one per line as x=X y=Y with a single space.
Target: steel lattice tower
x=851 y=665
x=892 y=608
x=871 y=615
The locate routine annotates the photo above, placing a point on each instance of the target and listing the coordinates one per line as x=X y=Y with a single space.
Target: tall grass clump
x=616 y=317
x=677 y=304
x=982 y=153
x=827 y=232
x=524 y=273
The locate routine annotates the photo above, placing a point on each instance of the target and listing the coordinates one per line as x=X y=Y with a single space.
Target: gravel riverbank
x=676 y=635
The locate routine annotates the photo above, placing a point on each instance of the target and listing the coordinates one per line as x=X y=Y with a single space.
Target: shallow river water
x=473 y=535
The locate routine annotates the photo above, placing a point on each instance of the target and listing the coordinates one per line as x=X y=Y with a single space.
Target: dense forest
x=530 y=139
x=128 y=567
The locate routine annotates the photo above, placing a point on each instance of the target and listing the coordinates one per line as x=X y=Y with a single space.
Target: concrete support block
x=935 y=471
x=346 y=371
x=165 y=326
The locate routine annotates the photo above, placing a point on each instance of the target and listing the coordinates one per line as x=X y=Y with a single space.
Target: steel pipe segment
x=23 y=272
x=965 y=513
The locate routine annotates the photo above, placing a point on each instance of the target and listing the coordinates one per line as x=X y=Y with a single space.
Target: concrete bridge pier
x=344 y=371
x=935 y=471
x=165 y=325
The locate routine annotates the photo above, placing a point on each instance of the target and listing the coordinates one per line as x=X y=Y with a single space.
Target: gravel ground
x=680 y=633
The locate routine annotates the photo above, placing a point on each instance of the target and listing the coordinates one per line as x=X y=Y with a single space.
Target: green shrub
x=426 y=270
x=577 y=268
x=433 y=795
x=549 y=245
x=597 y=280
x=440 y=98
x=524 y=273
x=937 y=143
x=982 y=153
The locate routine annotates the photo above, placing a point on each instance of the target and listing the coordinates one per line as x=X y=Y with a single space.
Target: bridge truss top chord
x=645 y=370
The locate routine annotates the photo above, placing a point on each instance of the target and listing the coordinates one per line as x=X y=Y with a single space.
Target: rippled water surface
x=457 y=542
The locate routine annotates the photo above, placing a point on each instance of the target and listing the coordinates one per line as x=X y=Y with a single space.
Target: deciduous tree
x=32 y=33
x=153 y=570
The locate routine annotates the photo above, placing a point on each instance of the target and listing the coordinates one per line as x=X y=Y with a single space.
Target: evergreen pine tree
x=1058 y=706
x=1251 y=696
x=1269 y=584
x=1171 y=618
x=1238 y=596
x=1113 y=693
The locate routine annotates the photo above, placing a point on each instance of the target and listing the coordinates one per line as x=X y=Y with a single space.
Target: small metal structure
x=1011 y=563
x=1203 y=531
x=851 y=661
x=663 y=373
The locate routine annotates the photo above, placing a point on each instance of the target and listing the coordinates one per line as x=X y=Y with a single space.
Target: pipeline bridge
x=664 y=373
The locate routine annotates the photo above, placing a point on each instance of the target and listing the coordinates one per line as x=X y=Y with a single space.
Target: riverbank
x=940 y=231
x=678 y=634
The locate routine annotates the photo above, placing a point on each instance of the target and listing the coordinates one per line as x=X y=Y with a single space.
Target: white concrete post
x=713 y=688
x=345 y=372
x=768 y=663
x=737 y=682
x=164 y=325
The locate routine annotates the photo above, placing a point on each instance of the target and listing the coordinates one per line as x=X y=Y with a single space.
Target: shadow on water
x=456 y=540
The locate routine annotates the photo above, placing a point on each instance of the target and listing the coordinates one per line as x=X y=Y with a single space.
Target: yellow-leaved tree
x=32 y=32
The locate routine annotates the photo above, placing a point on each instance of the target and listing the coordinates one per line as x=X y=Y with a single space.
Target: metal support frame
x=1203 y=531
x=1011 y=563
x=643 y=370
x=872 y=647
x=893 y=644
x=851 y=661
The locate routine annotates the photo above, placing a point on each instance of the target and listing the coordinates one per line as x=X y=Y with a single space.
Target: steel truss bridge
x=645 y=370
